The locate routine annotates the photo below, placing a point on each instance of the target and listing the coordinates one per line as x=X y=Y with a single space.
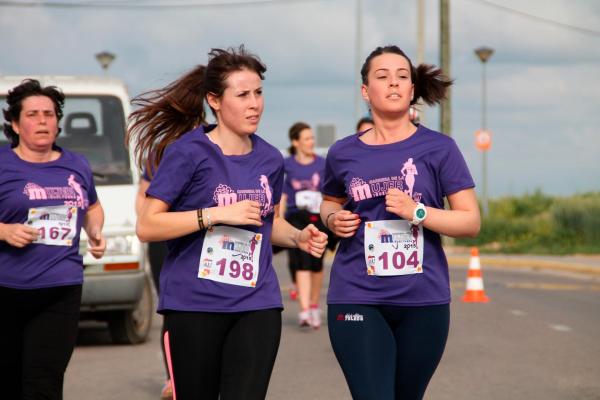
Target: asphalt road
x=536 y=339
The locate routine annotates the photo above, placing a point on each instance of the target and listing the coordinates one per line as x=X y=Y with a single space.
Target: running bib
x=393 y=247
x=309 y=200
x=230 y=255
x=56 y=225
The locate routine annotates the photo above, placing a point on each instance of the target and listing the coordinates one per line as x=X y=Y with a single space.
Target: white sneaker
x=304 y=318
x=315 y=318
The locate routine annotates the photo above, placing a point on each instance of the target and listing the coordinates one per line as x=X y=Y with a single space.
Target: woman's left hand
x=312 y=241
x=399 y=203
x=96 y=245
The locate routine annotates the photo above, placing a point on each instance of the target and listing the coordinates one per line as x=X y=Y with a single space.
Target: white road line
x=561 y=328
x=518 y=313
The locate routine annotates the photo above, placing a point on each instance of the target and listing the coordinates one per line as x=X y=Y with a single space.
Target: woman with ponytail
x=300 y=203
x=214 y=197
x=383 y=195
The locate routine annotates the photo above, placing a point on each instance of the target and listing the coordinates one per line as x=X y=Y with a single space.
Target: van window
x=95 y=127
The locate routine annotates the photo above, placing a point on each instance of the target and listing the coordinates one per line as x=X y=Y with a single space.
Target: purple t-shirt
x=301 y=177
x=429 y=166
x=194 y=173
x=24 y=185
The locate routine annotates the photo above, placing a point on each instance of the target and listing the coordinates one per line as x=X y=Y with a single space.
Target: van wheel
x=133 y=326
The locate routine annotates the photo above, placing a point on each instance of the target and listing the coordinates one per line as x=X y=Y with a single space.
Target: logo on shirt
x=360 y=189
x=224 y=195
x=306 y=184
x=350 y=317
x=72 y=194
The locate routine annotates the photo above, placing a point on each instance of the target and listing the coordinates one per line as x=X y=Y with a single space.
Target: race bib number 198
x=230 y=255
x=56 y=225
x=393 y=247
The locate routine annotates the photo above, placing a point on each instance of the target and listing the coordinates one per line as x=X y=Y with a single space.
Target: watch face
x=420 y=213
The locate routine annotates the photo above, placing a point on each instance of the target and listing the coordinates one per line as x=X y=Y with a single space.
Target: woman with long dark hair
x=215 y=199
x=384 y=193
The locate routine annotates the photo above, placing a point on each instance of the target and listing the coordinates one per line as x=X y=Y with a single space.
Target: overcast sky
x=543 y=80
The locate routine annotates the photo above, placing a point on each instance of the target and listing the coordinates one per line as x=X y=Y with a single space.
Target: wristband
x=200 y=219
x=327 y=219
x=208 y=223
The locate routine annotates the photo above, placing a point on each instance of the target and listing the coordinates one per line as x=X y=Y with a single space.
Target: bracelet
x=200 y=218
x=327 y=219
x=208 y=223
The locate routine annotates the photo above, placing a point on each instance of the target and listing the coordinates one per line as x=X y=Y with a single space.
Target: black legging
x=388 y=352
x=38 y=333
x=157 y=251
x=231 y=354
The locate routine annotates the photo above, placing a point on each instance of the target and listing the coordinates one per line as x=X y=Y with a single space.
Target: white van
x=116 y=288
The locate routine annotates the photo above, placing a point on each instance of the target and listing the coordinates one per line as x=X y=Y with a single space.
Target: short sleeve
x=332 y=185
x=146 y=172
x=454 y=173
x=287 y=185
x=172 y=177
x=278 y=183
x=89 y=177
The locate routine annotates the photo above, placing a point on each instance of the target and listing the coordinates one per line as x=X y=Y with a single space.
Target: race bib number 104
x=393 y=247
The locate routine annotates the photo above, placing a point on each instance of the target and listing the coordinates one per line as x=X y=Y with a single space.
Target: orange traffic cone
x=474 y=292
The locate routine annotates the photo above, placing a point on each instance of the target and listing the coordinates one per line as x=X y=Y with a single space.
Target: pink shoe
x=304 y=318
x=167 y=391
x=315 y=317
x=293 y=293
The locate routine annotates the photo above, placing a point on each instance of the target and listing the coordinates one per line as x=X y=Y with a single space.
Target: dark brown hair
x=363 y=120
x=430 y=82
x=294 y=134
x=15 y=98
x=168 y=113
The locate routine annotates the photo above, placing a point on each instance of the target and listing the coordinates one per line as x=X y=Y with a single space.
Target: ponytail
x=165 y=115
x=431 y=84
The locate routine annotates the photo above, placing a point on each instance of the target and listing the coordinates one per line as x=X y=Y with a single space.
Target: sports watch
x=419 y=214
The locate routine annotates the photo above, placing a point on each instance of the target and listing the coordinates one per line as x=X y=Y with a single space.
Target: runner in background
x=364 y=124
x=157 y=251
x=300 y=203
x=384 y=190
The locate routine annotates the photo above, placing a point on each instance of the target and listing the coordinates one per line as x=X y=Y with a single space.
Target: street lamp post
x=484 y=54
x=105 y=58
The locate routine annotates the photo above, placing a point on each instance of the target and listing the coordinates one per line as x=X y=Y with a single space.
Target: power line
x=548 y=21
x=132 y=6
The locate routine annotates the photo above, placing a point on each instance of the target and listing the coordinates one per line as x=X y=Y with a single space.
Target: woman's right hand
x=18 y=235
x=244 y=212
x=343 y=223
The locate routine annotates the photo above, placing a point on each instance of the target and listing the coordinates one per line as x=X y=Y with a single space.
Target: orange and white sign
x=483 y=140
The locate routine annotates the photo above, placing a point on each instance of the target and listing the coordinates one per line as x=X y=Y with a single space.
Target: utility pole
x=421 y=43
x=445 y=107
x=358 y=49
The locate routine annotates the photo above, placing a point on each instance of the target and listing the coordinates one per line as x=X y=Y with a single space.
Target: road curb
x=525 y=263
